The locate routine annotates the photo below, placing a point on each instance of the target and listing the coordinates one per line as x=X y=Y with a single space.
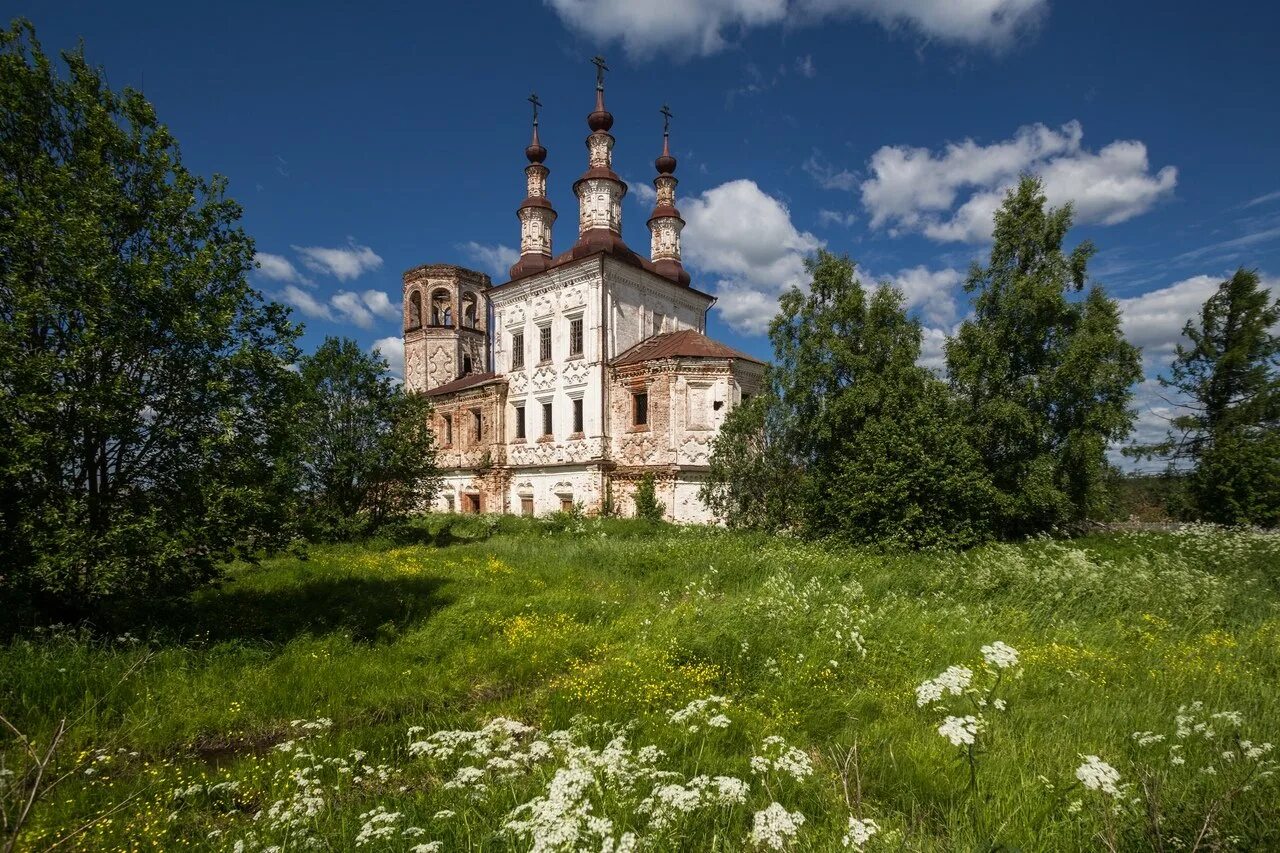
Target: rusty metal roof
x=683 y=344
x=471 y=380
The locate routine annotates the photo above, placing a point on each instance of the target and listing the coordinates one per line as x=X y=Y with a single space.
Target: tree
x=753 y=481
x=368 y=453
x=1044 y=380
x=883 y=457
x=145 y=402
x=1226 y=373
x=648 y=506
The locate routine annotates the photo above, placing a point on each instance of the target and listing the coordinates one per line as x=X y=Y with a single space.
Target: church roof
x=462 y=383
x=686 y=343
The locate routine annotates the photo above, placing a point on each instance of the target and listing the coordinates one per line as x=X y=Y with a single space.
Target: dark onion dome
x=535 y=152
x=601 y=119
x=666 y=164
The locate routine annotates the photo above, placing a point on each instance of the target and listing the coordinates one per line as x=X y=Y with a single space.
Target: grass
x=205 y=717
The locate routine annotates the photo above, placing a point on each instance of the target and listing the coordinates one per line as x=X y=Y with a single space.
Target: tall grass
x=300 y=704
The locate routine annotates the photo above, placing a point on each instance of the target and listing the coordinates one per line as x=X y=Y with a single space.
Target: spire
x=665 y=223
x=599 y=190
x=535 y=212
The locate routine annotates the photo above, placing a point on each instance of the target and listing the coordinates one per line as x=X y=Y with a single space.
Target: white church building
x=586 y=370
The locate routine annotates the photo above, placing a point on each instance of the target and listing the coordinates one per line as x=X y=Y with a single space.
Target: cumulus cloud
x=343 y=263
x=744 y=238
x=276 y=267
x=304 y=301
x=392 y=349
x=931 y=292
x=702 y=27
x=952 y=195
x=933 y=354
x=1154 y=320
x=496 y=260
x=363 y=308
x=643 y=192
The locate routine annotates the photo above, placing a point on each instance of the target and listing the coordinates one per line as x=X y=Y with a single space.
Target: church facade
x=583 y=372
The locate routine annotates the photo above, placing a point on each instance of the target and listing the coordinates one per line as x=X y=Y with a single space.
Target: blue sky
x=363 y=139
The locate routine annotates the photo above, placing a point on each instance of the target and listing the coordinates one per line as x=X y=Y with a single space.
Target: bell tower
x=446 y=325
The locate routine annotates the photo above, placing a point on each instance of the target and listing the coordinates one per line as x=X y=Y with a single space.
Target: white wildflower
x=1000 y=655
x=961 y=731
x=429 y=847
x=774 y=827
x=860 y=832
x=954 y=680
x=1097 y=775
x=778 y=755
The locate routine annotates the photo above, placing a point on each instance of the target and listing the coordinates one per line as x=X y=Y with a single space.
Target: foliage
x=885 y=458
x=456 y=693
x=368 y=449
x=145 y=405
x=1226 y=372
x=1044 y=380
x=648 y=507
x=753 y=481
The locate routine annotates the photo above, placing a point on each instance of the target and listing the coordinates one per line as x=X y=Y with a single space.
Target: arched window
x=415 y=310
x=466 y=364
x=469 y=310
x=441 y=308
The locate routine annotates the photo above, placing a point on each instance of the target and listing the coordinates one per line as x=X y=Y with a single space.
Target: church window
x=575 y=336
x=566 y=504
x=469 y=310
x=544 y=343
x=577 y=415
x=640 y=408
x=466 y=364
x=441 y=312
x=471 y=504
x=517 y=350
x=448 y=503
x=526 y=506
x=477 y=425
x=659 y=320
x=519 y=421
x=448 y=430
x=546 y=419
x=415 y=310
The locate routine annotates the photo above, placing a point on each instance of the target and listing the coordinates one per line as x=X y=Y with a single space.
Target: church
x=585 y=371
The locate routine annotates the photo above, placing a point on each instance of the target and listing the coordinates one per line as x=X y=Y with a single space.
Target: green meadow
x=571 y=684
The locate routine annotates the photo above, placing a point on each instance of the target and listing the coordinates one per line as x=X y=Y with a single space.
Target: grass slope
x=277 y=710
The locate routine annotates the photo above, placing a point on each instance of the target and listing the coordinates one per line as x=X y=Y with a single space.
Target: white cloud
x=915 y=189
x=381 y=305
x=495 y=260
x=642 y=192
x=276 y=267
x=835 y=217
x=805 y=66
x=361 y=308
x=343 y=264
x=677 y=27
x=1226 y=247
x=933 y=292
x=827 y=175
x=933 y=353
x=392 y=349
x=305 y=302
x=1262 y=199
x=745 y=239
x=1155 y=319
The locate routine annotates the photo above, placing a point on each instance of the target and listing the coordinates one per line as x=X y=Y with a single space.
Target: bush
x=648 y=507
